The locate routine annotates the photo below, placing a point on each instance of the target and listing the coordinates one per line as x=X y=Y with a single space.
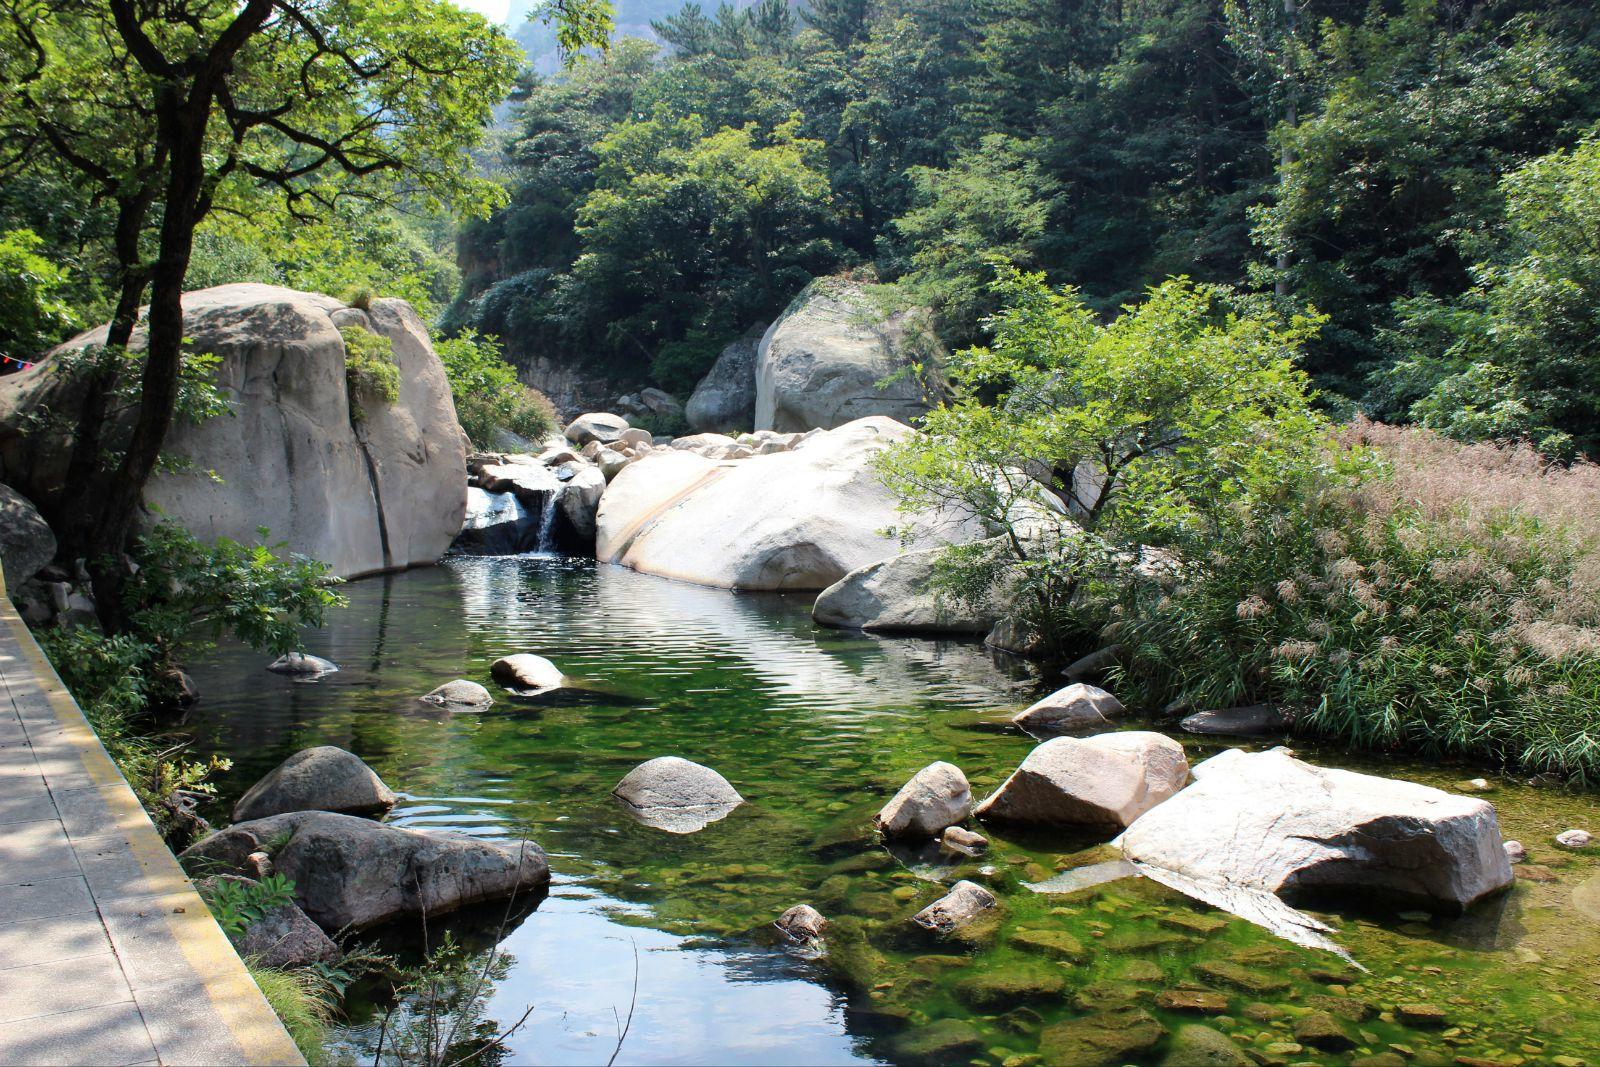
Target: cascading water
x=547 y=523
x=508 y=523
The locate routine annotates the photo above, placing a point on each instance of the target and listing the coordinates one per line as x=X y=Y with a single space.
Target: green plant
x=487 y=393
x=360 y=296
x=369 y=368
x=304 y=1000
x=33 y=315
x=238 y=904
x=438 y=1018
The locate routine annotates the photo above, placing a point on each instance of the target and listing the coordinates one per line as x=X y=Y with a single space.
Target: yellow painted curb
x=234 y=996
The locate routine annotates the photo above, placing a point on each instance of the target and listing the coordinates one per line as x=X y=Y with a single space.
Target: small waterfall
x=547 y=523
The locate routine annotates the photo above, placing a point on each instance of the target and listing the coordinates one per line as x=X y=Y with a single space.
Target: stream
x=817 y=728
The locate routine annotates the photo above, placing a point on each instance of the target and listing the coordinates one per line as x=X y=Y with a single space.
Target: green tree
x=1146 y=431
x=32 y=314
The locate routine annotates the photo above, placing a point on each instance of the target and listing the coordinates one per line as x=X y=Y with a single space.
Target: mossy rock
x=873 y=905
x=1126 y=942
x=1056 y=944
x=867 y=861
x=1190 y=923
x=1248 y=979
x=1105 y=996
x=1322 y=1031
x=1139 y=971
x=1351 y=1009
x=1008 y=987
x=945 y=1041
x=1200 y=1046
x=1193 y=1002
x=1021 y=1021
x=1109 y=1037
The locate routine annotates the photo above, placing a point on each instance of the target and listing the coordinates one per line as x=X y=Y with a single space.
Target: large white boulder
x=725 y=399
x=1105 y=780
x=1268 y=821
x=825 y=361
x=901 y=594
x=382 y=492
x=797 y=520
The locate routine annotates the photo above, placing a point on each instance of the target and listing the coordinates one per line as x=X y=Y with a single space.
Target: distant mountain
x=538 y=39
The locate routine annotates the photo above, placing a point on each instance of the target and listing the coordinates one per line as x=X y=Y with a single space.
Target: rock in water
x=965 y=902
x=26 y=543
x=677 y=795
x=1201 y=1046
x=936 y=797
x=527 y=673
x=802 y=923
x=900 y=595
x=1249 y=721
x=302 y=663
x=824 y=362
x=1077 y=707
x=461 y=694
x=325 y=778
x=1258 y=826
x=596 y=426
x=959 y=839
x=352 y=872
x=725 y=399
x=800 y=520
x=381 y=492
x=1108 y=780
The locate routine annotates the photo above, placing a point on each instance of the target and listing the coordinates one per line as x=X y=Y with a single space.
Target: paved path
x=107 y=954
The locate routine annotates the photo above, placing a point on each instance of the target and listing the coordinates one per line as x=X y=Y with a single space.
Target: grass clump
x=369 y=368
x=1417 y=594
x=304 y=1000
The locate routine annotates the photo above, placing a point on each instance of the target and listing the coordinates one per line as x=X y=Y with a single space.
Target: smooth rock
x=796 y=520
x=1011 y=634
x=579 y=500
x=527 y=673
x=936 y=797
x=960 y=839
x=596 y=426
x=325 y=778
x=1077 y=707
x=381 y=492
x=725 y=399
x=1573 y=839
x=1515 y=852
x=677 y=795
x=26 y=543
x=1259 y=826
x=352 y=872
x=302 y=663
x=802 y=923
x=824 y=362
x=460 y=693
x=901 y=595
x=1105 y=780
x=1249 y=721
x=965 y=902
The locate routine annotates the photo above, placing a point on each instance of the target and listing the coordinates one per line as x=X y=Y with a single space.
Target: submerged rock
x=1077 y=707
x=325 y=778
x=527 y=673
x=677 y=795
x=1122 y=1035
x=1004 y=987
x=802 y=923
x=1249 y=721
x=965 y=902
x=1259 y=826
x=943 y=1042
x=302 y=663
x=460 y=693
x=352 y=872
x=1201 y=1046
x=960 y=839
x=1106 y=780
x=935 y=798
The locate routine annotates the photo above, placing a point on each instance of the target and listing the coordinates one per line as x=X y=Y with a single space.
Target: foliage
x=440 y=1014
x=238 y=904
x=369 y=368
x=487 y=393
x=1149 y=428
x=33 y=315
x=304 y=1000
x=1428 y=596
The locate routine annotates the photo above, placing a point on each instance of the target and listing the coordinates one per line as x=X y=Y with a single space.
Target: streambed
x=816 y=728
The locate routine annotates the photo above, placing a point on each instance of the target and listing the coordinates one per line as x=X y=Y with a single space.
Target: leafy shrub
x=238 y=905
x=33 y=315
x=369 y=368
x=488 y=395
x=678 y=366
x=1429 y=596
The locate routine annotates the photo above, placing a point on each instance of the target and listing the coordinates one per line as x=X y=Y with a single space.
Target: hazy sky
x=494 y=9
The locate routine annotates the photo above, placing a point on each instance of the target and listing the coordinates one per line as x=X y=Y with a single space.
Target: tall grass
x=1444 y=600
x=304 y=1000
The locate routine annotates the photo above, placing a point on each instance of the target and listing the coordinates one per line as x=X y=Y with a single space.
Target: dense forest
x=1419 y=172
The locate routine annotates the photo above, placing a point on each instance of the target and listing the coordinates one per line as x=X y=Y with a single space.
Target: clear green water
x=816 y=728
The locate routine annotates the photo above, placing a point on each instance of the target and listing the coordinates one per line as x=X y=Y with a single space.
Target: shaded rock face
x=1249 y=721
x=800 y=519
x=677 y=795
x=1266 y=820
x=725 y=399
x=325 y=778
x=351 y=872
x=936 y=797
x=1075 y=707
x=1108 y=780
x=26 y=543
x=496 y=524
x=384 y=492
x=900 y=595
x=822 y=362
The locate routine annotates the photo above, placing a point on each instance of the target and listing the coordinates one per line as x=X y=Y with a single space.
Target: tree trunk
x=1291 y=118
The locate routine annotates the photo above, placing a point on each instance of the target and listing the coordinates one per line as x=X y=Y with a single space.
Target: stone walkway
x=107 y=954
